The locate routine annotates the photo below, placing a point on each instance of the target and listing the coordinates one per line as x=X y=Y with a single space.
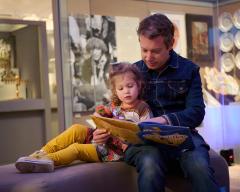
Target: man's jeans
x=151 y=164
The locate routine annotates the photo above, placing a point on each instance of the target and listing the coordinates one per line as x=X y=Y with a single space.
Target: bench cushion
x=91 y=177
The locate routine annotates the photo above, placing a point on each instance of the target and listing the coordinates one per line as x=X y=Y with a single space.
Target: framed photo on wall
x=200 y=47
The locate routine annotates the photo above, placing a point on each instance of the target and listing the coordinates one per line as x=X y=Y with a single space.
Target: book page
x=126 y=130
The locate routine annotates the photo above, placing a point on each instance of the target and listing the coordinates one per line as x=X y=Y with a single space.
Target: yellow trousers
x=68 y=146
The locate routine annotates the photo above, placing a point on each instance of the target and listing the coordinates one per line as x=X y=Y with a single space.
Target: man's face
x=154 y=52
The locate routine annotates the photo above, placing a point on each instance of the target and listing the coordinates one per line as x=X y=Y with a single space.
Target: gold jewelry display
x=8 y=75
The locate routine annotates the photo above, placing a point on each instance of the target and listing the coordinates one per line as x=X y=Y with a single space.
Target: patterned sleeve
x=104 y=111
x=115 y=144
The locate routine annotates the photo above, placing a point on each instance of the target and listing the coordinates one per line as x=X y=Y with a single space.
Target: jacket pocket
x=177 y=89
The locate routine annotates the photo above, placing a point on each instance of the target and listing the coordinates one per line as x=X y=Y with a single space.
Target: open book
x=126 y=130
x=177 y=137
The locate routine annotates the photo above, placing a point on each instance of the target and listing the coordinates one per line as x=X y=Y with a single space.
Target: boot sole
x=34 y=166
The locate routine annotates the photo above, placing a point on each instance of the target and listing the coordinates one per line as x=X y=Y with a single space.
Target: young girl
x=76 y=142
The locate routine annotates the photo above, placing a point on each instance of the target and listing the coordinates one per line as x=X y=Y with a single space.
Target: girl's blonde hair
x=122 y=68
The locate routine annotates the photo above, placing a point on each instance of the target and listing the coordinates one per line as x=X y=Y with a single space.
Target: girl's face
x=127 y=89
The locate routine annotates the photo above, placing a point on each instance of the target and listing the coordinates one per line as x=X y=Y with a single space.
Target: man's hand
x=100 y=136
x=124 y=147
x=160 y=119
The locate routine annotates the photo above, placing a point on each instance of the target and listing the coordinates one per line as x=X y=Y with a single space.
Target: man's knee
x=150 y=162
x=197 y=166
x=150 y=165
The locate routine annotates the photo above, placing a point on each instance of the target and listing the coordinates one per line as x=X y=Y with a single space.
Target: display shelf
x=16 y=105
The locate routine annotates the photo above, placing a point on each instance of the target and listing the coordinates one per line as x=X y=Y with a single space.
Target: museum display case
x=24 y=87
x=20 y=59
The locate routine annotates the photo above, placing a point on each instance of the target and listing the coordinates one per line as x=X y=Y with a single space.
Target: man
x=174 y=93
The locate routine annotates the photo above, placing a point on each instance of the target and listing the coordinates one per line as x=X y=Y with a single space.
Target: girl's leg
x=74 y=134
x=68 y=140
x=75 y=151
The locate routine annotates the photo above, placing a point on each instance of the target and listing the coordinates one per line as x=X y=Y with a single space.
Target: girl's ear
x=170 y=46
x=139 y=88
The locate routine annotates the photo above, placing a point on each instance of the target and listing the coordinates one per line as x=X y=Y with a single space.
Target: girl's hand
x=97 y=114
x=100 y=136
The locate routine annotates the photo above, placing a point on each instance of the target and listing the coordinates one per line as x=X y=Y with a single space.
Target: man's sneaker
x=32 y=164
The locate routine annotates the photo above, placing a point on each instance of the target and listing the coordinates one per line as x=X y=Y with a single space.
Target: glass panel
x=29 y=10
x=207 y=32
x=35 y=11
x=228 y=74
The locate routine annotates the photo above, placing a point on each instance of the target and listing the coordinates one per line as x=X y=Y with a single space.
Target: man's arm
x=194 y=111
x=160 y=119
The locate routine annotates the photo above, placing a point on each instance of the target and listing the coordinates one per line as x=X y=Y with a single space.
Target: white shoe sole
x=31 y=166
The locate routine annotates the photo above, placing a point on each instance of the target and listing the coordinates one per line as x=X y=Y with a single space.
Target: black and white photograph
x=93 y=48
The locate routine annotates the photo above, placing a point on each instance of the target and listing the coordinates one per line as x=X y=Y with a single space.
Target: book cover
x=166 y=136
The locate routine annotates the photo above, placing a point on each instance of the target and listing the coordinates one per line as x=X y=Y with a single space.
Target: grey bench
x=99 y=177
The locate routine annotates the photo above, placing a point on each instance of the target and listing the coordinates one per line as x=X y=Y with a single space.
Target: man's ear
x=170 y=46
x=173 y=41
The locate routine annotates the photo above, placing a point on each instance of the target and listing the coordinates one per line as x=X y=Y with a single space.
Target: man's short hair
x=157 y=25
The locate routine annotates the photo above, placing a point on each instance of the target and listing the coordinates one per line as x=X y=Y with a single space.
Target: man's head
x=157 y=25
x=156 y=40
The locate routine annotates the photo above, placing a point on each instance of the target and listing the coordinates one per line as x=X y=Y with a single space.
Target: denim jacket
x=176 y=92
